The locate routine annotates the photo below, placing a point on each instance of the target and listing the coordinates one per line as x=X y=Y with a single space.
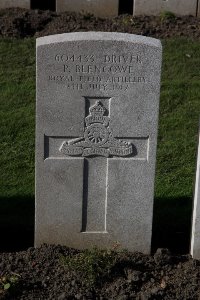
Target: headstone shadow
x=172 y=224
x=16 y=223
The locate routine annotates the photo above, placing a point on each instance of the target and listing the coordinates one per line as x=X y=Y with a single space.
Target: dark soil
x=20 y=23
x=42 y=274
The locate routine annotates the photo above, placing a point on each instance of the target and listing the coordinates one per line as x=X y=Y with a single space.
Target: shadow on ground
x=171 y=224
x=16 y=223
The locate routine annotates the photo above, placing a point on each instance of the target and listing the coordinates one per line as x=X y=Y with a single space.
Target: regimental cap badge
x=98 y=138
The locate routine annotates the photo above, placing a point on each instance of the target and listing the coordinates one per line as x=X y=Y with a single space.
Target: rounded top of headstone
x=98 y=36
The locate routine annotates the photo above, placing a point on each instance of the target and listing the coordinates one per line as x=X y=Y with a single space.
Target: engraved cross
x=97 y=146
x=97 y=142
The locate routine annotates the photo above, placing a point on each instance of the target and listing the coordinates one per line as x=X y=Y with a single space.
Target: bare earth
x=41 y=274
x=21 y=23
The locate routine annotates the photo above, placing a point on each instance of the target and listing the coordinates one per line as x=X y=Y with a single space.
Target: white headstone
x=155 y=7
x=100 y=8
x=97 y=116
x=195 y=237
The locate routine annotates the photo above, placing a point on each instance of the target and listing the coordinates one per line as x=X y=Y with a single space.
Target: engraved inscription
x=101 y=72
x=114 y=58
x=88 y=69
x=98 y=139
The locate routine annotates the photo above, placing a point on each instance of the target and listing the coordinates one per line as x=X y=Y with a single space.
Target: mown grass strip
x=178 y=123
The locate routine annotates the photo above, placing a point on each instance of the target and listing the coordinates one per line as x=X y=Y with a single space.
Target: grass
x=17 y=115
x=167 y=15
x=9 y=283
x=17 y=110
x=178 y=124
x=179 y=114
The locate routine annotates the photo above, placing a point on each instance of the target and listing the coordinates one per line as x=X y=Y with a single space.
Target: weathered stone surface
x=97 y=115
x=155 y=7
x=14 y=3
x=195 y=236
x=100 y=8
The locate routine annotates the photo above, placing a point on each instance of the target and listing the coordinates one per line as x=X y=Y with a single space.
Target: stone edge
x=196 y=199
x=97 y=36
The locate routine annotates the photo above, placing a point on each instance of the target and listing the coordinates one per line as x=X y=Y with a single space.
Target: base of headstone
x=155 y=7
x=15 y=3
x=100 y=8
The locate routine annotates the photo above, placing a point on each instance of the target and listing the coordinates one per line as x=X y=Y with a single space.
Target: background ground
x=17 y=22
x=164 y=277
